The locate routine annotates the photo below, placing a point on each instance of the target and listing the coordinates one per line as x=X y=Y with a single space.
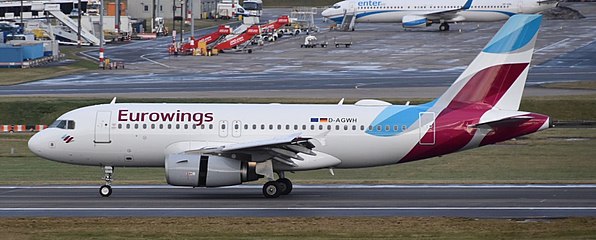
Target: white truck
x=227 y=9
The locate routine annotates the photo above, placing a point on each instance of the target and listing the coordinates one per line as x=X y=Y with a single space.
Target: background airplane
x=423 y=13
x=211 y=145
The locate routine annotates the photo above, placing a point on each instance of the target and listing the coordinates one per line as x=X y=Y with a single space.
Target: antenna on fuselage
x=113 y=100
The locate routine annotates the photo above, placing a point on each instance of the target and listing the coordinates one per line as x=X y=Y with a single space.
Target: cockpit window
x=63 y=124
x=336 y=6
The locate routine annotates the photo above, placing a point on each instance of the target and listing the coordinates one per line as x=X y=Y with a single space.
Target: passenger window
x=278 y=126
x=287 y=127
x=136 y=126
x=262 y=126
x=303 y=127
x=270 y=126
x=295 y=127
x=245 y=126
x=320 y=127
x=336 y=127
x=194 y=126
x=177 y=126
x=353 y=127
x=160 y=126
x=169 y=126
x=144 y=126
x=119 y=125
x=345 y=127
x=312 y=127
x=254 y=127
x=185 y=126
x=210 y=126
x=395 y=128
x=362 y=127
x=403 y=127
x=127 y=126
x=223 y=126
x=328 y=127
x=153 y=126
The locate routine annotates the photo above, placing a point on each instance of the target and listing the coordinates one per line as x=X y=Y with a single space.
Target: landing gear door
x=426 y=128
x=102 y=127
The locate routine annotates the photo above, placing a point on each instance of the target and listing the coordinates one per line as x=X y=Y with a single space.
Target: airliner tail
x=496 y=78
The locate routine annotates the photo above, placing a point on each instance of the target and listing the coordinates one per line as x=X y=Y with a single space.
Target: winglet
x=467 y=5
x=113 y=100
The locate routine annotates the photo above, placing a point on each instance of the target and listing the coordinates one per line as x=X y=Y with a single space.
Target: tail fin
x=497 y=76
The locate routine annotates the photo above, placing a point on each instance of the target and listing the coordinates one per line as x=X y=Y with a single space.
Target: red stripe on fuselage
x=478 y=96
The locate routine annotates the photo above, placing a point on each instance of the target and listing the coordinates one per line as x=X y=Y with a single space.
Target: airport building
x=142 y=9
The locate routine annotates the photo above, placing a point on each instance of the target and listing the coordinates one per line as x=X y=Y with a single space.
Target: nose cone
x=35 y=144
x=326 y=13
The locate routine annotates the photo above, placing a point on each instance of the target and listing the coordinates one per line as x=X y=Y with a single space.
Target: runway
x=476 y=201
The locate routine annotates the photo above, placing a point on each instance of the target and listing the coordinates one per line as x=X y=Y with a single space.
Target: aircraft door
x=236 y=128
x=102 y=127
x=520 y=6
x=223 y=128
x=426 y=128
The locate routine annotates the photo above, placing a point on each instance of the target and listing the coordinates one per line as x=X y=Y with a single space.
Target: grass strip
x=44 y=110
x=296 y=228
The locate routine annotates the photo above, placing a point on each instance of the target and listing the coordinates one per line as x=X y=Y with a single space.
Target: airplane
x=424 y=13
x=212 y=145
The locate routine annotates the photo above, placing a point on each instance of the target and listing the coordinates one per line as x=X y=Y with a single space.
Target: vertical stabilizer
x=497 y=76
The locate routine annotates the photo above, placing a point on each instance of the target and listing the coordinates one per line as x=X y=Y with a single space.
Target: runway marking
x=153 y=61
x=330 y=186
x=299 y=208
x=552 y=45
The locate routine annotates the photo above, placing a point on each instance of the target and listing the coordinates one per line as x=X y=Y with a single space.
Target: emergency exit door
x=426 y=128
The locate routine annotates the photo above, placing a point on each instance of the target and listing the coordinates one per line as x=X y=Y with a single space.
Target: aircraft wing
x=448 y=14
x=283 y=149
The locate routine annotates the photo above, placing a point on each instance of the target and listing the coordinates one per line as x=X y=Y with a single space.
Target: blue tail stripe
x=515 y=34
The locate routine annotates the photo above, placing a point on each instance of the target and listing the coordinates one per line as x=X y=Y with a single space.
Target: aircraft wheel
x=105 y=190
x=444 y=27
x=272 y=189
x=286 y=186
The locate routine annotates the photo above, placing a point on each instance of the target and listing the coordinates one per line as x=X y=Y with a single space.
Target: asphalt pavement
x=477 y=201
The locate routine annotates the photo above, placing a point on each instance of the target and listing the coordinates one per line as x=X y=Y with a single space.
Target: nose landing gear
x=106 y=189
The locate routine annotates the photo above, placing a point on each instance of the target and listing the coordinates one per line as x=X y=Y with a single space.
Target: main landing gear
x=444 y=27
x=281 y=186
x=106 y=189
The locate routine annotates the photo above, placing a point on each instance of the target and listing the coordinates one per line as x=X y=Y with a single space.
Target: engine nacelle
x=414 y=21
x=207 y=171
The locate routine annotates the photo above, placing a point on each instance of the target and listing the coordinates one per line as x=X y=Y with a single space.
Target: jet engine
x=197 y=170
x=415 y=21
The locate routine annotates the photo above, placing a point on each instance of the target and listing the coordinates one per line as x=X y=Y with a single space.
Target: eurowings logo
x=67 y=138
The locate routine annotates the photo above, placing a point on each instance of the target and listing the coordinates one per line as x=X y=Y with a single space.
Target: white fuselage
x=138 y=135
x=393 y=11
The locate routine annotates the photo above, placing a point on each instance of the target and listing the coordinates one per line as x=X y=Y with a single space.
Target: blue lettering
x=369 y=3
